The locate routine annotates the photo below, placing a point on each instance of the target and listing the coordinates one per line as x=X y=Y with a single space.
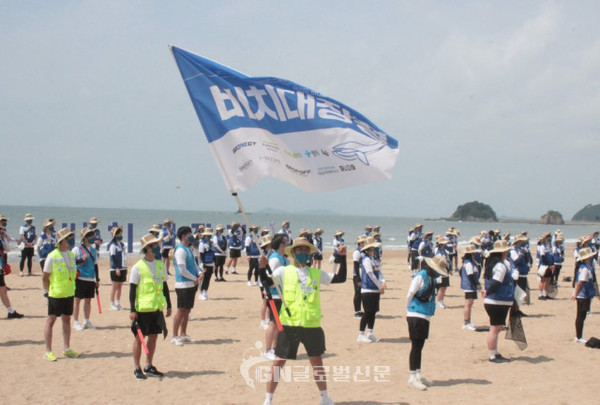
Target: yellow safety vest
x=304 y=303
x=149 y=293
x=62 y=278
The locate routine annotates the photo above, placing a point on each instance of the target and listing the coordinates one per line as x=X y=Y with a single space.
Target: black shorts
x=60 y=306
x=2 y=282
x=119 y=279
x=150 y=323
x=219 y=260
x=277 y=302
x=85 y=289
x=235 y=253
x=471 y=295
x=370 y=301
x=547 y=273
x=290 y=338
x=444 y=282
x=185 y=297
x=318 y=256
x=165 y=253
x=418 y=328
x=497 y=313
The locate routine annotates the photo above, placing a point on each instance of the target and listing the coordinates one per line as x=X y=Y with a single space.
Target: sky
x=494 y=101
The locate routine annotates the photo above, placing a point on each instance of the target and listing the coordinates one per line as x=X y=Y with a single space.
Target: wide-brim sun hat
x=475 y=241
x=418 y=225
x=63 y=234
x=586 y=239
x=429 y=233
x=207 y=232
x=264 y=231
x=3 y=217
x=471 y=249
x=521 y=238
x=297 y=243
x=85 y=231
x=49 y=222
x=154 y=228
x=441 y=240
x=438 y=263
x=235 y=223
x=500 y=246
x=368 y=228
x=361 y=239
x=167 y=221
x=339 y=233
x=93 y=220
x=148 y=239
x=585 y=253
x=319 y=231
x=266 y=241
x=371 y=242
x=377 y=227
x=115 y=229
x=28 y=217
x=219 y=228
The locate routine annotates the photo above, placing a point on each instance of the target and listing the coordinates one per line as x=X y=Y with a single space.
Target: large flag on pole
x=265 y=126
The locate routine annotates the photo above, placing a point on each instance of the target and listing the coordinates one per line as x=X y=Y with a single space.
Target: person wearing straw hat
x=12 y=314
x=372 y=286
x=285 y=229
x=414 y=241
x=187 y=278
x=60 y=271
x=520 y=259
x=302 y=296
x=546 y=265
x=443 y=282
x=469 y=283
x=584 y=290
x=368 y=231
x=167 y=237
x=452 y=248
x=28 y=237
x=558 y=253
x=420 y=308
x=264 y=232
x=253 y=253
x=118 y=266
x=47 y=240
x=207 y=257
x=88 y=278
x=93 y=225
x=499 y=294
x=235 y=242
x=317 y=241
x=155 y=230
x=148 y=296
x=220 y=245
x=357 y=257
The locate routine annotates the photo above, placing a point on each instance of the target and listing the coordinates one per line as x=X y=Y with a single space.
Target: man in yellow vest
x=59 y=287
x=148 y=296
x=301 y=314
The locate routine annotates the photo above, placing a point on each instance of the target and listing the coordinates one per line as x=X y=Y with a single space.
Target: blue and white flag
x=265 y=126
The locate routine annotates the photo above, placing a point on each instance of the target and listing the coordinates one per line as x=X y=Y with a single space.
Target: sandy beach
x=552 y=370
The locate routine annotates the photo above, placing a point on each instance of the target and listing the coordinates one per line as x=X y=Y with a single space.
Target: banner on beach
x=266 y=126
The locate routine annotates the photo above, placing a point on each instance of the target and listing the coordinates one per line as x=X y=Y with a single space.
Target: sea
x=394 y=230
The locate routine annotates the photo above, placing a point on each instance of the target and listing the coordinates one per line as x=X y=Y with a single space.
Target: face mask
x=191 y=239
x=71 y=242
x=119 y=238
x=91 y=240
x=302 y=258
x=3 y=223
x=255 y=231
x=51 y=228
x=196 y=244
x=92 y=226
x=28 y=222
x=156 y=251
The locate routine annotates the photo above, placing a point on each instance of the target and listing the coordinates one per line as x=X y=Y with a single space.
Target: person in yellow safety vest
x=148 y=296
x=301 y=314
x=58 y=281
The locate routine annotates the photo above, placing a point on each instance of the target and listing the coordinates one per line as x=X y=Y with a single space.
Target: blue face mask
x=51 y=228
x=191 y=239
x=156 y=251
x=91 y=240
x=302 y=258
x=28 y=222
x=119 y=238
x=71 y=242
x=196 y=244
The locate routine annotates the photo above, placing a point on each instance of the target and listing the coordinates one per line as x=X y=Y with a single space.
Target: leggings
x=416 y=348
x=356 y=300
x=583 y=306
x=26 y=253
x=208 y=271
x=219 y=265
x=556 y=273
x=253 y=268
x=368 y=319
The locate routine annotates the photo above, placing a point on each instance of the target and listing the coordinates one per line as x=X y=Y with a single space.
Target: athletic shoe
x=177 y=341
x=119 y=307
x=264 y=323
x=187 y=339
x=363 y=338
x=50 y=356
x=469 y=326
x=205 y=295
x=440 y=304
x=358 y=314
x=222 y=279
x=233 y=271
x=226 y=271
x=413 y=382
x=270 y=355
x=152 y=372
x=14 y=315
x=580 y=340
x=202 y=297
x=372 y=338
x=77 y=325
x=71 y=353
x=326 y=401
x=499 y=359
x=113 y=307
x=268 y=402
x=88 y=325
x=139 y=375
x=256 y=283
x=249 y=283
x=542 y=298
x=20 y=274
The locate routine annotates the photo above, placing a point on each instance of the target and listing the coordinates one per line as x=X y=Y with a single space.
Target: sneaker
x=233 y=271
x=88 y=325
x=580 y=340
x=77 y=325
x=113 y=307
x=71 y=353
x=249 y=283
x=372 y=338
x=256 y=283
x=187 y=339
x=202 y=296
x=268 y=402
x=226 y=271
x=119 y=307
x=205 y=295
x=440 y=304
x=50 y=356
x=139 y=375
x=152 y=372
x=20 y=274
x=358 y=314
x=264 y=323
x=363 y=338
x=177 y=341
x=542 y=298
x=14 y=315
x=413 y=382
x=469 y=326
x=326 y=401
x=270 y=355
x=499 y=359
x=222 y=279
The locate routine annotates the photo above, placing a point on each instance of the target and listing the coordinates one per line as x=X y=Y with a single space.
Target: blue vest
x=47 y=245
x=427 y=250
x=547 y=259
x=318 y=242
x=208 y=256
x=366 y=281
x=522 y=262
x=190 y=264
x=235 y=239
x=425 y=308
x=87 y=269
x=252 y=249
x=587 y=289
x=283 y=262
x=465 y=282
x=416 y=243
x=558 y=254
x=506 y=291
x=116 y=260
x=29 y=234
x=170 y=244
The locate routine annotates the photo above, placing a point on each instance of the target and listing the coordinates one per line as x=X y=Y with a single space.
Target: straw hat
x=253 y=227
x=585 y=253
x=154 y=228
x=235 y=223
x=264 y=231
x=302 y=232
x=377 y=228
x=339 y=233
x=520 y=238
x=418 y=225
x=148 y=239
x=376 y=235
x=85 y=231
x=219 y=228
x=284 y=223
x=441 y=240
x=471 y=249
x=361 y=239
x=3 y=217
x=63 y=234
x=167 y=221
x=266 y=241
x=546 y=235
x=475 y=240
x=370 y=243
x=500 y=246
x=49 y=222
x=93 y=220
x=369 y=228
x=207 y=232
x=428 y=233
x=497 y=231
x=28 y=217
x=586 y=239
x=297 y=243
x=438 y=263
x=524 y=233
x=115 y=229
x=319 y=231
